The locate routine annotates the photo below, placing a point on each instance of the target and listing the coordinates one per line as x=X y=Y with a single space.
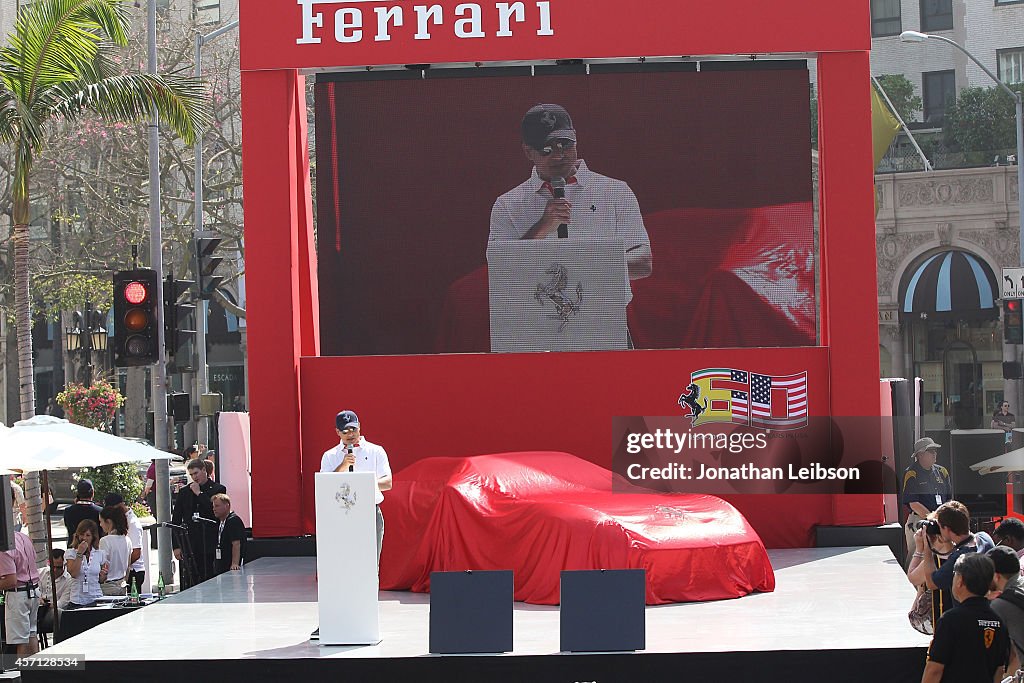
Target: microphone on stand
x=558 y=192
x=351 y=468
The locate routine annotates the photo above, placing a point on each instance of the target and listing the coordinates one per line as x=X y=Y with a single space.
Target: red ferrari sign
x=308 y=34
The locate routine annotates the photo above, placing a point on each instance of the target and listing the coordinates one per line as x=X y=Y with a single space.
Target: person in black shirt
x=193 y=509
x=1005 y=420
x=230 y=551
x=82 y=508
x=971 y=644
x=925 y=488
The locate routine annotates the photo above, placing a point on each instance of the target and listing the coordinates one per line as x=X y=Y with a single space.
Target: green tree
x=901 y=93
x=59 y=64
x=982 y=120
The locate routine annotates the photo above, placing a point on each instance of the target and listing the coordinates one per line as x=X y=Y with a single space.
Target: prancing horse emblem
x=554 y=291
x=689 y=400
x=346 y=497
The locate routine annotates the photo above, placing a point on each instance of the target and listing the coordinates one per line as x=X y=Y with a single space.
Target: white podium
x=557 y=295
x=346 y=558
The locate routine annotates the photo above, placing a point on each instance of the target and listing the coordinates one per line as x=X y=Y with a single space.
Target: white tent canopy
x=45 y=442
x=1007 y=462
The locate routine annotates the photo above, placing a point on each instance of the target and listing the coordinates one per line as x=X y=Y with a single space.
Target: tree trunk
x=23 y=320
x=3 y=371
x=135 y=403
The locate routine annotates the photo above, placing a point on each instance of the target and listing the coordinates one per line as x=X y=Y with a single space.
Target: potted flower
x=94 y=406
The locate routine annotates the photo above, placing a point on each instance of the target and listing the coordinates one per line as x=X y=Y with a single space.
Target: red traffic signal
x=1013 y=322
x=136 y=318
x=135 y=293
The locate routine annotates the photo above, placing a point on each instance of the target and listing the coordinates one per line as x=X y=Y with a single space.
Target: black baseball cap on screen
x=546 y=122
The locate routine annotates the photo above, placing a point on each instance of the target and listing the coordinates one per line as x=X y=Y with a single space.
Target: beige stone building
x=943 y=238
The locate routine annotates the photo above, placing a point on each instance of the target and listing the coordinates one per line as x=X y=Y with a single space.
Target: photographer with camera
x=925 y=488
x=928 y=605
x=954 y=523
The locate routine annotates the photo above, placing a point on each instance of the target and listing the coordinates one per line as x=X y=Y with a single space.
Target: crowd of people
x=104 y=555
x=970 y=591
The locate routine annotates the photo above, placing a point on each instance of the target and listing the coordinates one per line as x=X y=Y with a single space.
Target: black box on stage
x=471 y=611
x=983 y=494
x=603 y=610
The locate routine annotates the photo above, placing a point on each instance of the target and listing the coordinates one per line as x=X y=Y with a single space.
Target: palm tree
x=58 y=66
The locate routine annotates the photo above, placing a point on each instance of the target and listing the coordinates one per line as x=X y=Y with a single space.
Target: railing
x=901 y=157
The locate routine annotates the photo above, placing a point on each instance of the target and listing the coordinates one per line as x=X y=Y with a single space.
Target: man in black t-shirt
x=230 y=552
x=82 y=508
x=193 y=510
x=971 y=644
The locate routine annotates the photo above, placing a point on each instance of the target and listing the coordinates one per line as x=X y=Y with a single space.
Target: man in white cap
x=925 y=487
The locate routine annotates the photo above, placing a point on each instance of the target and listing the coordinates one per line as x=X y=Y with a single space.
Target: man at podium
x=355 y=454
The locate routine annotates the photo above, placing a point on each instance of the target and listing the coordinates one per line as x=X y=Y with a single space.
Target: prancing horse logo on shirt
x=346 y=497
x=554 y=291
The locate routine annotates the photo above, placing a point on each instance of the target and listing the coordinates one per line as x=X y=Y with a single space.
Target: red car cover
x=538 y=513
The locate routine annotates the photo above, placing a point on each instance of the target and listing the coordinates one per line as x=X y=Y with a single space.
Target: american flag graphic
x=778 y=402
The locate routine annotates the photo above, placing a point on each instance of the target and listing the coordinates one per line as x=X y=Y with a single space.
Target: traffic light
x=1013 y=322
x=206 y=266
x=179 y=325
x=136 y=318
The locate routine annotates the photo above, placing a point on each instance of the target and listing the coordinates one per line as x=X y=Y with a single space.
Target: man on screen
x=593 y=205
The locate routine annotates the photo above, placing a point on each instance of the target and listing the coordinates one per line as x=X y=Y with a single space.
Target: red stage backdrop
x=474 y=401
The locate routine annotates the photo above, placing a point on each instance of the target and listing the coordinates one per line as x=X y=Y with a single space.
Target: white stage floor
x=825 y=599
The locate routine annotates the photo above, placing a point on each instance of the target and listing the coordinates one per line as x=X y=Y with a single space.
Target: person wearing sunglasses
x=355 y=454
x=591 y=205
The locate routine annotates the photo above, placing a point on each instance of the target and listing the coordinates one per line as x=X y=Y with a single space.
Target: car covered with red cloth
x=539 y=513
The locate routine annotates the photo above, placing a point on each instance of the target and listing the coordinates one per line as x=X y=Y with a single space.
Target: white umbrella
x=1007 y=462
x=45 y=442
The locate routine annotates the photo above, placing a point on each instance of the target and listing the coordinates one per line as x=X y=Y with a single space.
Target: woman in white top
x=117 y=548
x=87 y=565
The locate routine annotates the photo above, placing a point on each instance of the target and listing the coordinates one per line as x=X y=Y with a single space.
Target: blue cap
x=346 y=419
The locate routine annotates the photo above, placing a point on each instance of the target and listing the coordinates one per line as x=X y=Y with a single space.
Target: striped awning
x=952 y=284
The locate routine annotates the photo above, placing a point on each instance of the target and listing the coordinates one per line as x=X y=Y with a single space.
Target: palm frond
x=54 y=40
x=179 y=100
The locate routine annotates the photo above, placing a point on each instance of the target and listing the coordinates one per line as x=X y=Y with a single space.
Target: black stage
x=837 y=614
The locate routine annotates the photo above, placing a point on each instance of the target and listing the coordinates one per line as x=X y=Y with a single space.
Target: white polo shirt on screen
x=602 y=207
x=369 y=458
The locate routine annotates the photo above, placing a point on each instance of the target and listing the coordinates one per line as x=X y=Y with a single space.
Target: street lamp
x=918 y=37
x=202 y=314
x=87 y=336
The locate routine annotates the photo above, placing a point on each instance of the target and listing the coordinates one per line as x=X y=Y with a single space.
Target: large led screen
x=536 y=209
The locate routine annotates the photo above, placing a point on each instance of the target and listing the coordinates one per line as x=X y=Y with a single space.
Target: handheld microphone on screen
x=558 y=191
x=351 y=468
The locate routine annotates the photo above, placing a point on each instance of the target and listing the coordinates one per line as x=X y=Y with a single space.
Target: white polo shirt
x=135 y=536
x=602 y=207
x=369 y=458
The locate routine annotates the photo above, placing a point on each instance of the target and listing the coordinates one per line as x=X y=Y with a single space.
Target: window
x=885 y=18
x=936 y=15
x=207 y=11
x=1011 y=65
x=939 y=89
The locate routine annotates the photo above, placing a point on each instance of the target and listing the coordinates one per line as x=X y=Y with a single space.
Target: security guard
x=925 y=487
